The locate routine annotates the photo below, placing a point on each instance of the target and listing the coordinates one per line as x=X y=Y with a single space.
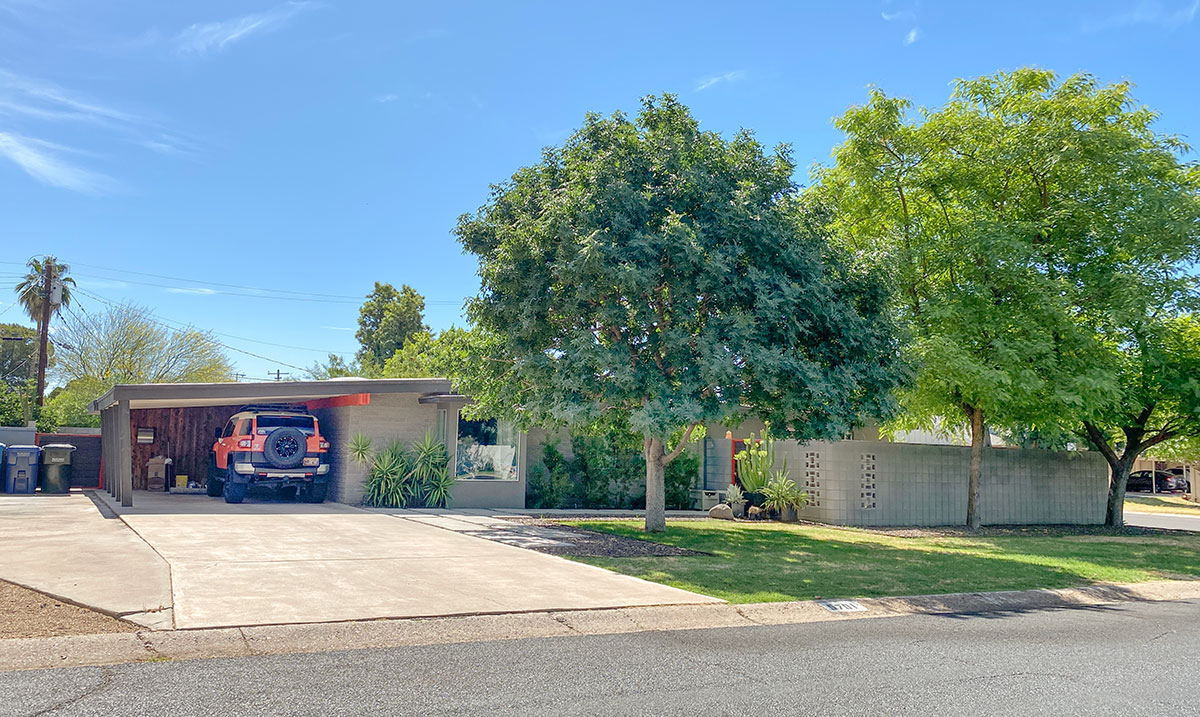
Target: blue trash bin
x=21 y=469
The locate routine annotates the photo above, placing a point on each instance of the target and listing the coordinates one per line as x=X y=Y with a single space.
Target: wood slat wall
x=183 y=434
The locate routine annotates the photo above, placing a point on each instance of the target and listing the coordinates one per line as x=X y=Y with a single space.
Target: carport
x=180 y=418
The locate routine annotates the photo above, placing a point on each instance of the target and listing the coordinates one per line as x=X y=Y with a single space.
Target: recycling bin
x=21 y=469
x=56 y=467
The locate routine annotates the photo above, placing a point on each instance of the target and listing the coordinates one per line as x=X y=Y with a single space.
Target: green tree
x=1157 y=407
x=425 y=355
x=126 y=345
x=1009 y=219
x=386 y=321
x=334 y=367
x=649 y=277
x=68 y=405
x=18 y=354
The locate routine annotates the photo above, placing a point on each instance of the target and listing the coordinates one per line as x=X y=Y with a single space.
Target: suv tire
x=313 y=493
x=234 y=492
x=213 y=485
x=285 y=447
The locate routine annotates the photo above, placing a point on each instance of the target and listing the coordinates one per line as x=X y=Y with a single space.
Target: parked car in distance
x=1164 y=482
x=1182 y=483
x=271 y=446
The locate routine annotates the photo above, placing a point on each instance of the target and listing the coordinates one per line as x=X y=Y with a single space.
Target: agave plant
x=734 y=496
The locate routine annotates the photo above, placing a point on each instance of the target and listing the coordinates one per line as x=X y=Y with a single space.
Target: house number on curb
x=842 y=605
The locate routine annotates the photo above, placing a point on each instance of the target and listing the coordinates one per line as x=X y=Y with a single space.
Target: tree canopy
x=31 y=290
x=386 y=321
x=652 y=276
x=1012 y=221
x=125 y=345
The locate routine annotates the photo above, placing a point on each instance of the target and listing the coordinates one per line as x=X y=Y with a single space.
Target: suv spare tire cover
x=285 y=447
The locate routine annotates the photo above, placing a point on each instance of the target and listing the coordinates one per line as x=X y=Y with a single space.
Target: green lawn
x=765 y=562
x=1160 y=503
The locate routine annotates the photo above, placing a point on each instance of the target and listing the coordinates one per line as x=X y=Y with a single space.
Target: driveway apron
x=271 y=563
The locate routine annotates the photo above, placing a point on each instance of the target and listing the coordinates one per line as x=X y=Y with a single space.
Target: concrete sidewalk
x=38 y=653
x=63 y=545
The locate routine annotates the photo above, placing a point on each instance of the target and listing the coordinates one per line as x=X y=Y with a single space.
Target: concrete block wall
x=388 y=417
x=878 y=483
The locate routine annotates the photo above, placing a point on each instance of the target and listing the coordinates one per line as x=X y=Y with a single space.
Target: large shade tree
x=1014 y=220
x=649 y=276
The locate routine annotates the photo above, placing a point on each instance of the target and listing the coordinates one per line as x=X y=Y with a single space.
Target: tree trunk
x=1114 y=516
x=656 y=510
x=978 y=439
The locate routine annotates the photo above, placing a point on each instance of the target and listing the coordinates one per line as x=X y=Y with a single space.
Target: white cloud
x=43 y=161
x=339 y=328
x=732 y=76
x=205 y=37
x=190 y=290
x=912 y=36
x=386 y=98
x=45 y=100
x=1147 y=12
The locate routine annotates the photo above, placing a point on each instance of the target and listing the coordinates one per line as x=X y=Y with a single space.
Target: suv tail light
x=245 y=443
x=323 y=445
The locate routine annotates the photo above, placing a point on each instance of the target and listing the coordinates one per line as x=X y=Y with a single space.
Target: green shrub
x=678 y=478
x=400 y=477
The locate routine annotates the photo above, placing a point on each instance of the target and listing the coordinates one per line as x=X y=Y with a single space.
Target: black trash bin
x=56 y=467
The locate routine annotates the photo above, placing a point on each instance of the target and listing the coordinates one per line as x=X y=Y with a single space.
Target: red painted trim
x=354 y=399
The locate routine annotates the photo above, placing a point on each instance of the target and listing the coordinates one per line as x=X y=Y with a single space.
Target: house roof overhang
x=183 y=395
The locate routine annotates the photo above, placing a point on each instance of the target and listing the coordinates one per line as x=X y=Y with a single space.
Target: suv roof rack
x=288 y=407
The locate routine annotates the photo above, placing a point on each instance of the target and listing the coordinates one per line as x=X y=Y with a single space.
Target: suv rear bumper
x=265 y=474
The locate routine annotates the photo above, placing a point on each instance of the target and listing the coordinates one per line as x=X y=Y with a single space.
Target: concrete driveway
x=271 y=563
x=66 y=546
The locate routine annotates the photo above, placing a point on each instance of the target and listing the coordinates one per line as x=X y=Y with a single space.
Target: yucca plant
x=388 y=484
x=781 y=494
x=437 y=490
x=360 y=449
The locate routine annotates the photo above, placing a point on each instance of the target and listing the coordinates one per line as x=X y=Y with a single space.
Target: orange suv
x=272 y=446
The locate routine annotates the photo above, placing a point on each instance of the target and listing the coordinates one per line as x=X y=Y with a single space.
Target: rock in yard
x=721 y=511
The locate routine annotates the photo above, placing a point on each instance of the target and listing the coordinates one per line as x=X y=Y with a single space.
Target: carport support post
x=124 y=454
x=108 y=455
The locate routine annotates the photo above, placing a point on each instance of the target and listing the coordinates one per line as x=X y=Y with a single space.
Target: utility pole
x=44 y=338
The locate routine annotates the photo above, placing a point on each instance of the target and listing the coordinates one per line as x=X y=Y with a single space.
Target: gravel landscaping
x=28 y=613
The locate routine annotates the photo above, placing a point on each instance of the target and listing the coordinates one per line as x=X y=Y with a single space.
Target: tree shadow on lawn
x=772 y=562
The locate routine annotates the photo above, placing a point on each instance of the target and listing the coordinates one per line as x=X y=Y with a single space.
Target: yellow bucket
x=181 y=481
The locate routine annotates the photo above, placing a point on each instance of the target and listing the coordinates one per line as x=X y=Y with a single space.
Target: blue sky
x=317 y=147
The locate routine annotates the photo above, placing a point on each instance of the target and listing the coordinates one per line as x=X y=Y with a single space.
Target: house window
x=487 y=450
x=441 y=426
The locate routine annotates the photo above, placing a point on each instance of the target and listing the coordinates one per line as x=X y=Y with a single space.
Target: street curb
x=160 y=645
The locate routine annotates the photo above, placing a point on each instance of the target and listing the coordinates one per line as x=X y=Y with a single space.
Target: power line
x=177 y=330
x=336 y=298
x=242 y=338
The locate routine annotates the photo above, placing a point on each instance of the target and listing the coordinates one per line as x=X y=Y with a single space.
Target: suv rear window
x=268 y=423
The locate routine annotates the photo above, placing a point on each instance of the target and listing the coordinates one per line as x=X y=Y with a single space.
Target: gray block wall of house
x=388 y=417
x=880 y=483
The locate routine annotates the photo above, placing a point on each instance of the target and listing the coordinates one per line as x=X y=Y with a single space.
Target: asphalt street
x=1167 y=521
x=1131 y=659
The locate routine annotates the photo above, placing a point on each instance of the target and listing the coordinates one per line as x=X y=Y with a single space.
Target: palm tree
x=30 y=291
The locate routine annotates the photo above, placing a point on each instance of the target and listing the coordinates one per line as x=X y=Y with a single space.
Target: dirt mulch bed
x=28 y=613
x=586 y=542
